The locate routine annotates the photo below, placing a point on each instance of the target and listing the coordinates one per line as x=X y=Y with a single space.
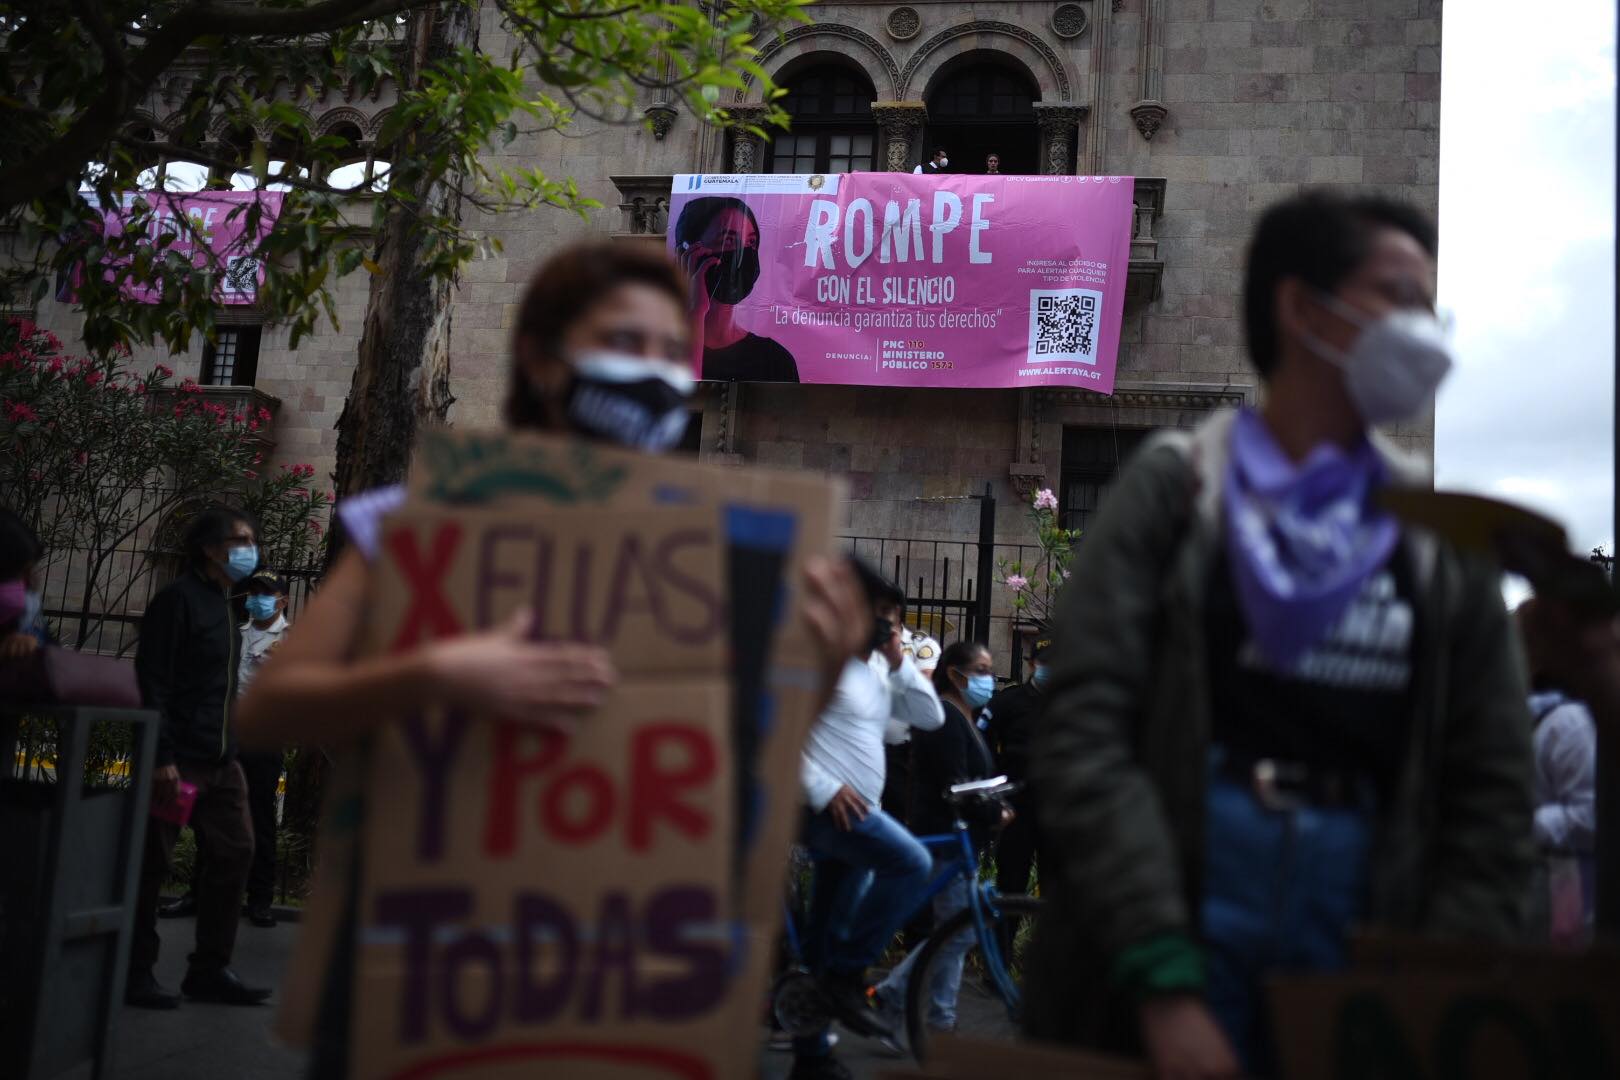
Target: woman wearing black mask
x=718 y=242
x=602 y=348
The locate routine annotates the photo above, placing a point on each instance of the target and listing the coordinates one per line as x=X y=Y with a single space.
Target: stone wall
x=1245 y=101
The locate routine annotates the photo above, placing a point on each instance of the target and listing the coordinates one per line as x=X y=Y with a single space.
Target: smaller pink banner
x=218 y=236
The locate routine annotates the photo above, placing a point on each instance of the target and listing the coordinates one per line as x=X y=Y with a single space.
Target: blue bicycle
x=992 y=974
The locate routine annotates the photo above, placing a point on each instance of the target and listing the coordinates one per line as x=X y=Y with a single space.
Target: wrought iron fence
x=96 y=593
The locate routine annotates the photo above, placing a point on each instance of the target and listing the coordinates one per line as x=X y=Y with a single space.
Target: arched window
x=982 y=107
x=832 y=130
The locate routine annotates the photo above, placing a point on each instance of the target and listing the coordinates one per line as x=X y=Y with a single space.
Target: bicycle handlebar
x=994 y=787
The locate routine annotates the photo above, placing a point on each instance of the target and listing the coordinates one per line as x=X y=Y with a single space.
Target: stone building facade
x=1220 y=107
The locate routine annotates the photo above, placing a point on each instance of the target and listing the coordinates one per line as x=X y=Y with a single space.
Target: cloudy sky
x=1527 y=257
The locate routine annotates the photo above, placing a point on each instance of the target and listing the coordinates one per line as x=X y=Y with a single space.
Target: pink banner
x=895 y=279
x=218 y=236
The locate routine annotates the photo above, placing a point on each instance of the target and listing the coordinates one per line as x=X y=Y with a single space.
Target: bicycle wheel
x=981 y=1011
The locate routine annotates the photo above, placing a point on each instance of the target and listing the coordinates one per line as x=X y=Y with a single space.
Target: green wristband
x=1167 y=964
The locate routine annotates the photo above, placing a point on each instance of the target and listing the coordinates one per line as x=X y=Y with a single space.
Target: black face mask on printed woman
x=733 y=277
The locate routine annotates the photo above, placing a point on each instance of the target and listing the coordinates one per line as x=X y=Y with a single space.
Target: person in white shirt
x=854 y=842
x=266 y=625
x=936 y=165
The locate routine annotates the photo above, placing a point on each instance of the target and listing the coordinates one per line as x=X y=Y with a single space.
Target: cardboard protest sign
x=601 y=904
x=953 y=1058
x=1415 y=1010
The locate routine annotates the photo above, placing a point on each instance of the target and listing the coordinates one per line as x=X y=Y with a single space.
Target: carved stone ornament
x=880 y=56
x=903 y=23
x=900 y=124
x=745 y=145
x=1069 y=20
x=661 y=117
x=980 y=27
x=1148 y=116
x=1119 y=5
x=1059 y=127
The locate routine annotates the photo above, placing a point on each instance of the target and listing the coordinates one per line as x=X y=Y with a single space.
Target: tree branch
x=55 y=164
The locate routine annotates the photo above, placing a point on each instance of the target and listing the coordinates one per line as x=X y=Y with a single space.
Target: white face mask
x=944 y=162
x=1396 y=364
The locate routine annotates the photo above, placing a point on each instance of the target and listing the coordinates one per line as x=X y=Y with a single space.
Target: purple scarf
x=1303 y=539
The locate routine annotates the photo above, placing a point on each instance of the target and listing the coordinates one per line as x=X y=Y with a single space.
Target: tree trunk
x=402 y=370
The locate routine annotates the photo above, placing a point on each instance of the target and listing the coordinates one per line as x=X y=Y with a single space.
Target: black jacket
x=186 y=666
x=1010 y=721
x=951 y=754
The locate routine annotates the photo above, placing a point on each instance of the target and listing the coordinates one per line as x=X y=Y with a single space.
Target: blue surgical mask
x=261 y=606
x=241 y=561
x=979 y=689
x=1042 y=673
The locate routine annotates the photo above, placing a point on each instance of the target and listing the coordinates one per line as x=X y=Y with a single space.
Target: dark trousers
x=1015 y=849
x=263 y=772
x=220 y=820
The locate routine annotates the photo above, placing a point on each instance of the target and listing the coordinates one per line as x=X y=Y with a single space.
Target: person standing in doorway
x=267 y=624
x=186 y=665
x=992 y=165
x=936 y=165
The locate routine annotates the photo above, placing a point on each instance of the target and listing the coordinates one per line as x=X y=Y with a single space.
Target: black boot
x=221 y=986
x=847 y=1001
x=183 y=908
x=143 y=992
x=259 y=915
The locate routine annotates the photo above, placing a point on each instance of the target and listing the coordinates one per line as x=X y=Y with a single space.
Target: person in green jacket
x=1274 y=712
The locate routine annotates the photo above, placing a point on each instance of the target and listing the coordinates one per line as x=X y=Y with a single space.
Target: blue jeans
x=946 y=980
x=1281 y=888
x=867 y=883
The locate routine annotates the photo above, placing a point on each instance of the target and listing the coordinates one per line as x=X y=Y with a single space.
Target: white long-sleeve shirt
x=845 y=745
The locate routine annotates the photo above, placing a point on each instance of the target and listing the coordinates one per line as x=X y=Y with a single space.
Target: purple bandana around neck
x=1303 y=539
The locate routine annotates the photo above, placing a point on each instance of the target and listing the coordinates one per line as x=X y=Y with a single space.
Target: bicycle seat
x=990 y=788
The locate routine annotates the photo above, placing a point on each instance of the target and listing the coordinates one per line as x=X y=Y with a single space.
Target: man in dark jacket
x=1010 y=722
x=186 y=664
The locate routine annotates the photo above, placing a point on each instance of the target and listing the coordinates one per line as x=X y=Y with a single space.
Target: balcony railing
x=644 y=210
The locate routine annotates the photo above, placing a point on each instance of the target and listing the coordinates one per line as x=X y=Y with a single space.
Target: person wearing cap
x=842 y=770
x=267 y=624
x=1009 y=723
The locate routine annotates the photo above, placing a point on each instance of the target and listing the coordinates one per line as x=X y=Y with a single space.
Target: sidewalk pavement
x=228 y=1042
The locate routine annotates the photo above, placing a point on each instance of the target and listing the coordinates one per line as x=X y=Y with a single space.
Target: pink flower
x=1016 y=582
x=263 y=414
x=180 y=410
x=250 y=474
x=163 y=371
x=258 y=459
x=1045 y=500
x=315 y=527
x=189 y=386
x=56 y=365
x=92 y=378
x=52 y=340
x=17 y=412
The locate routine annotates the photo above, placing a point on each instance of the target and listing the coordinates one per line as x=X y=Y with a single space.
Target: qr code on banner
x=1064 y=324
x=242 y=275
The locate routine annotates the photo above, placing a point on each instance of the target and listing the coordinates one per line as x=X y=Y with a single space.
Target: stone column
x=747 y=148
x=1060 y=132
x=900 y=125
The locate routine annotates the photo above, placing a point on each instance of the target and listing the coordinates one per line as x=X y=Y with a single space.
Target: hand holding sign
x=503 y=674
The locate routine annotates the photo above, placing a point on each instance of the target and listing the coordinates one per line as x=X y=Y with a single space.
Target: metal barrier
x=72 y=853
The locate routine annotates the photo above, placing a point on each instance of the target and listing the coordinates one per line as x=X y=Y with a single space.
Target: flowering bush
x=1035 y=587
x=95 y=455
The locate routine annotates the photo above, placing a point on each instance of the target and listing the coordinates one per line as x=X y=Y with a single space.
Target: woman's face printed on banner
x=733 y=238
